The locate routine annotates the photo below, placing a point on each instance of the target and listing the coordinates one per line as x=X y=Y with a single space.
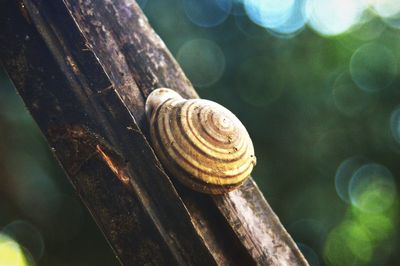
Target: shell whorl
x=200 y=142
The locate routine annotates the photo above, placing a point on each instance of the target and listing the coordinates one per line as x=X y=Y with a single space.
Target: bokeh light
x=295 y=21
x=12 y=254
x=380 y=226
x=344 y=173
x=333 y=17
x=386 y=8
x=27 y=235
x=348 y=244
x=373 y=67
x=269 y=13
x=207 y=13
x=362 y=238
x=372 y=188
x=202 y=60
x=389 y=11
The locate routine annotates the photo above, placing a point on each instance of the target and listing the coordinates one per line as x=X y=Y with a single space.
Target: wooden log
x=84 y=69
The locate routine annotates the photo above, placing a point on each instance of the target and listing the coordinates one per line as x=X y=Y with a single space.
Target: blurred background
x=317 y=84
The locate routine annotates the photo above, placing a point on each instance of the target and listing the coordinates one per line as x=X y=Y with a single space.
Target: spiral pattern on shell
x=199 y=142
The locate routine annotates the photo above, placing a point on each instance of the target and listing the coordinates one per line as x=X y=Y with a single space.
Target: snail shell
x=199 y=142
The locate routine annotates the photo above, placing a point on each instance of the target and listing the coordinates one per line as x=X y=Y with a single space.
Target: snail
x=199 y=142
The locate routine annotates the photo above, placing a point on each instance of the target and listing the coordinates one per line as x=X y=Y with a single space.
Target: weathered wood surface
x=84 y=69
